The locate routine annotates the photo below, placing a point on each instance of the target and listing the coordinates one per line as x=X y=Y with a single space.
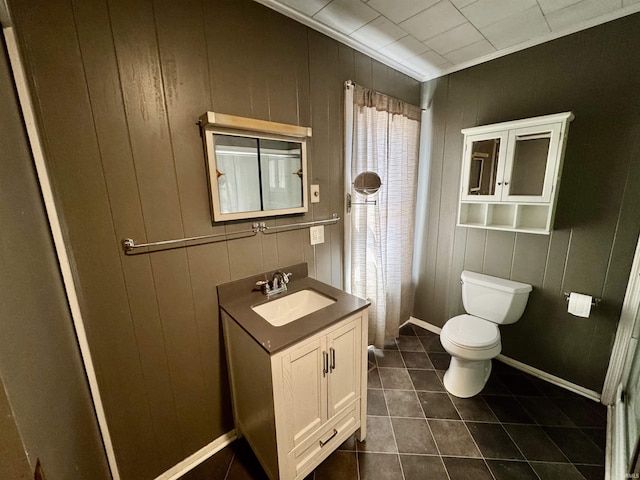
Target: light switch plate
x=314 y=191
x=316 y=234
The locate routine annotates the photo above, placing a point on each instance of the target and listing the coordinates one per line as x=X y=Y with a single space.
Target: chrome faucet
x=277 y=284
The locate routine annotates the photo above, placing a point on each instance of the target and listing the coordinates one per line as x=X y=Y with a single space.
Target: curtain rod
x=350 y=84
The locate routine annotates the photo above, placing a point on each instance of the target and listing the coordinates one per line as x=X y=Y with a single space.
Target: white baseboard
x=560 y=382
x=197 y=458
x=425 y=325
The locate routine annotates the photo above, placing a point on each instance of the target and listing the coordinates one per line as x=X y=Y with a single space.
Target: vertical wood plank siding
x=593 y=74
x=118 y=86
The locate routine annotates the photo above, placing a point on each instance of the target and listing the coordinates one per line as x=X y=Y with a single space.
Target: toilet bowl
x=473 y=339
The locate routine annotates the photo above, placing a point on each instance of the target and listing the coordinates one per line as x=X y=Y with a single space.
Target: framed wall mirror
x=255 y=168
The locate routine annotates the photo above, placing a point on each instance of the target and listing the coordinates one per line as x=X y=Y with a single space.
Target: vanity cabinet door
x=345 y=353
x=483 y=166
x=305 y=389
x=530 y=172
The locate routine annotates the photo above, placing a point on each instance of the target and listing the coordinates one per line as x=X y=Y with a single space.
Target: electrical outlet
x=316 y=234
x=314 y=191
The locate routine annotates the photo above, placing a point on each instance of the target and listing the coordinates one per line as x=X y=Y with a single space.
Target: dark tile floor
x=519 y=427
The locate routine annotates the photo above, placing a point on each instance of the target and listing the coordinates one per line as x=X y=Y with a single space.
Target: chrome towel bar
x=128 y=244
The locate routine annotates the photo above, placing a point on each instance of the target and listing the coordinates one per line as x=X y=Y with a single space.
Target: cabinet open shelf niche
x=513 y=217
x=511 y=174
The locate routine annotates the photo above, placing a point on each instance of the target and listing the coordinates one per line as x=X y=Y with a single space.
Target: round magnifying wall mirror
x=367 y=183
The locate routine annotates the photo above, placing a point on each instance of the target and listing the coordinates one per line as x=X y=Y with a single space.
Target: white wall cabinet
x=298 y=405
x=511 y=174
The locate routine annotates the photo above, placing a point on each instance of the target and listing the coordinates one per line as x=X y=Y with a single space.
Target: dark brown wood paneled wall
x=592 y=73
x=118 y=86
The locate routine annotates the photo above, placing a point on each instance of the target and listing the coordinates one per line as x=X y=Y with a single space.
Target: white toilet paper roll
x=579 y=304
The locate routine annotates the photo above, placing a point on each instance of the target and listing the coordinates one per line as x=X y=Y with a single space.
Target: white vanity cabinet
x=511 y=174
x=298 y=405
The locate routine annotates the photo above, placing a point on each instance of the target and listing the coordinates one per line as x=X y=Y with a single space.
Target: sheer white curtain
x=381 y=136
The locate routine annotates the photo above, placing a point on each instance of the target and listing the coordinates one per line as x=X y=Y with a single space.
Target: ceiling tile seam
x=404 y=19
x=474 y=26
x=380 y=15
x=453 y=28
x=544 y=15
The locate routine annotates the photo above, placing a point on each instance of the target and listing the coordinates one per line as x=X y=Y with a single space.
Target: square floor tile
x=338 y=466
x=413 y=436
x=576 y=445
x=453 y=438
x=438 y=405
x=377 y=466
x=432 y=344
x=395 y=379
x=507 y=409
x=376 y=404
x=440 y=360
x=417 y=360
x=597 y=436
x=409 y=344
x=493 y=441
x=494 y=386
x=373 y=379
x=583 y=412
x=535 y=444
x=556 y=471
x=426 y=380
x=519 y=384
x=379 y=436
x=511 y=470
x=545 y=411
x=407 y=330
x=422 y=467
x=389 y=358
x=403 y=403
x=474 y=409
x=349 y=444
x=467 y=469
x=591 y=472
x=423 y=332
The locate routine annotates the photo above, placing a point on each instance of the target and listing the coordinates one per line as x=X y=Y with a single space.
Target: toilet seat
x=471 y=333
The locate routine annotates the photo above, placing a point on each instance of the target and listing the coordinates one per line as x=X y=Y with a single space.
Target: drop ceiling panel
x=441 y=17
x=404 y=48
x=429 y=38
x=579 y=12
x=399 y=10
x=454 y=39
x=517 y=28
x=346 y=16
x=379 y=33
x=486 y=12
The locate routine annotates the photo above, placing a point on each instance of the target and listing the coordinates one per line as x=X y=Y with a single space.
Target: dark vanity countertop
x=236 y=299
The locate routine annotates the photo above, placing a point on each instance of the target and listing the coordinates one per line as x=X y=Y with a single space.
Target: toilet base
x=466 y=378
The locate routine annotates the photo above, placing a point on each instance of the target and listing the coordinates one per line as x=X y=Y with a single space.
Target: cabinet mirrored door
x=530 y=174
x=483 y=166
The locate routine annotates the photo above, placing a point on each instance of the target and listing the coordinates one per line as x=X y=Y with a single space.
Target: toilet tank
x=496 y=299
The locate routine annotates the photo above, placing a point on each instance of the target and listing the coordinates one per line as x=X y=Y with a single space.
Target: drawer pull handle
x=322 y=444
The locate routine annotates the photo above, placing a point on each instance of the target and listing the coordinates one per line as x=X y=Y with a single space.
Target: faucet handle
x=264 y=285
x=286 y=277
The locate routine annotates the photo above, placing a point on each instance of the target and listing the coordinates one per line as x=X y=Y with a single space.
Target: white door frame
x=628 y=330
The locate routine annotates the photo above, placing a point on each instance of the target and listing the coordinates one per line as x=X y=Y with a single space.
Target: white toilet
x=473 y=339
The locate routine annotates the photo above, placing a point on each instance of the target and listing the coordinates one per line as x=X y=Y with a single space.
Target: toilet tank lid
x=495 y=282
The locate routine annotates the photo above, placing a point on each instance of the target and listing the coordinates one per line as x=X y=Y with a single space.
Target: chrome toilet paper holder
x=594 y=301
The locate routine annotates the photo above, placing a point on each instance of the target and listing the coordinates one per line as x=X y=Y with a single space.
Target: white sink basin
x=292 y=307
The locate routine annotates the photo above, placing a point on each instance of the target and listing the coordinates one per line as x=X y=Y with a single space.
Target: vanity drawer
x=310 y=453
